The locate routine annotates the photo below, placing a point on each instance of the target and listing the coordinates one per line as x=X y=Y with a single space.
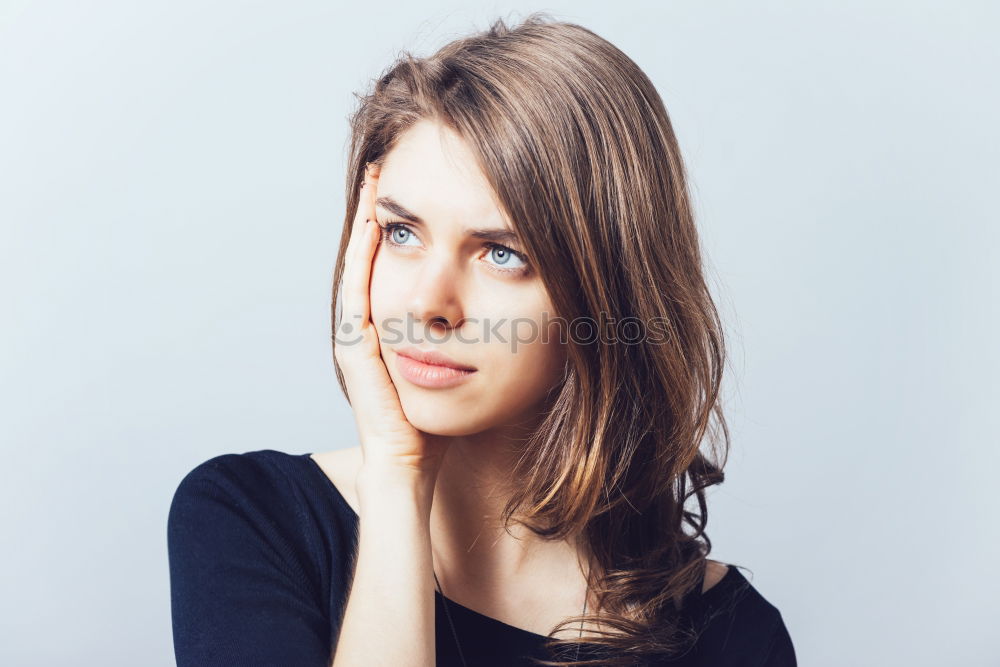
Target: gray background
x=171 y=178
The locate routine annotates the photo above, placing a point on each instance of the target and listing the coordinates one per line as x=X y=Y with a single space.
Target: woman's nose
x=434 y=296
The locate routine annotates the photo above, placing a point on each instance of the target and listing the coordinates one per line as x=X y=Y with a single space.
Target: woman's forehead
x=429 y=147
x=430 y=175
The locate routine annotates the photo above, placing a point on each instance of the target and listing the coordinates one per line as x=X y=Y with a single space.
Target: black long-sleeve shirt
x=260 y=548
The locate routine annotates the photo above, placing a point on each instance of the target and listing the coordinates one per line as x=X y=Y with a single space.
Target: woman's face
x=436 y=286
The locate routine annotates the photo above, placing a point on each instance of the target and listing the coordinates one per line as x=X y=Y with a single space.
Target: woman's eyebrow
x=394 y=207
x=498 y=235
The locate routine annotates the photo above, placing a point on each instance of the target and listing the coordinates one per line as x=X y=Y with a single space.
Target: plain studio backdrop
x=171 y=194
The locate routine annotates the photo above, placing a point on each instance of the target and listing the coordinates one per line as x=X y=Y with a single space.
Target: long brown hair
x=578 y=147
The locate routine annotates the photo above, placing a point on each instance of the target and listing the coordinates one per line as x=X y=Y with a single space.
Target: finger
x=342 y=314
x=368 y=242
x=360 y=215
x=366 y=206
x=357 y=285
x=357 y=271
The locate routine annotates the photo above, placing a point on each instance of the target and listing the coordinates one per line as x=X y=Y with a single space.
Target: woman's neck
x=469 y=543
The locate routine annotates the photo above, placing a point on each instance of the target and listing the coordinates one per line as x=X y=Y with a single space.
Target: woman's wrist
x=381 y=483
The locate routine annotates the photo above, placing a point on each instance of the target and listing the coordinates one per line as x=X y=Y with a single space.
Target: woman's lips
x=430 y=376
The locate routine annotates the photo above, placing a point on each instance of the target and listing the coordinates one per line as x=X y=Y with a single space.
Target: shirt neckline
x=731 y=576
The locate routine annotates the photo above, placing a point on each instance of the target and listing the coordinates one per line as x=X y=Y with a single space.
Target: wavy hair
x=578 y=147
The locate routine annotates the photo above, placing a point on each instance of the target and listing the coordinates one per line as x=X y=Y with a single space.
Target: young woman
x=525 y=336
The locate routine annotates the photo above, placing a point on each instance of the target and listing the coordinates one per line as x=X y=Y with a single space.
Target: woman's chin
x=438 y=416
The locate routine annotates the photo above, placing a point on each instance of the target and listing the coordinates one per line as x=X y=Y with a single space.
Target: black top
x=260 y=547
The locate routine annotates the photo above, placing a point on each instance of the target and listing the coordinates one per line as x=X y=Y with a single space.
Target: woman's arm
x=389 y=617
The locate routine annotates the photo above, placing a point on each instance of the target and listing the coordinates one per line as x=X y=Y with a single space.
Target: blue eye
x=503 y=256
x=506 y=261
x=397 y=234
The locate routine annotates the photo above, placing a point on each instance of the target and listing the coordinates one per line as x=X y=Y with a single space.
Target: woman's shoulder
x=268 y=485
x=258 y=549
x=737 y=619
x=274 y=467
x=230 y=467
x=264 y=507
x=265 y=474
x=714 y=572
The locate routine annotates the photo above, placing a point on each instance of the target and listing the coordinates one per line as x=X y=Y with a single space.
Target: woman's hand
x=388 y=441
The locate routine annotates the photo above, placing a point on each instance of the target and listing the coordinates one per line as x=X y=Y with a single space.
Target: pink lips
x=431 y=370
